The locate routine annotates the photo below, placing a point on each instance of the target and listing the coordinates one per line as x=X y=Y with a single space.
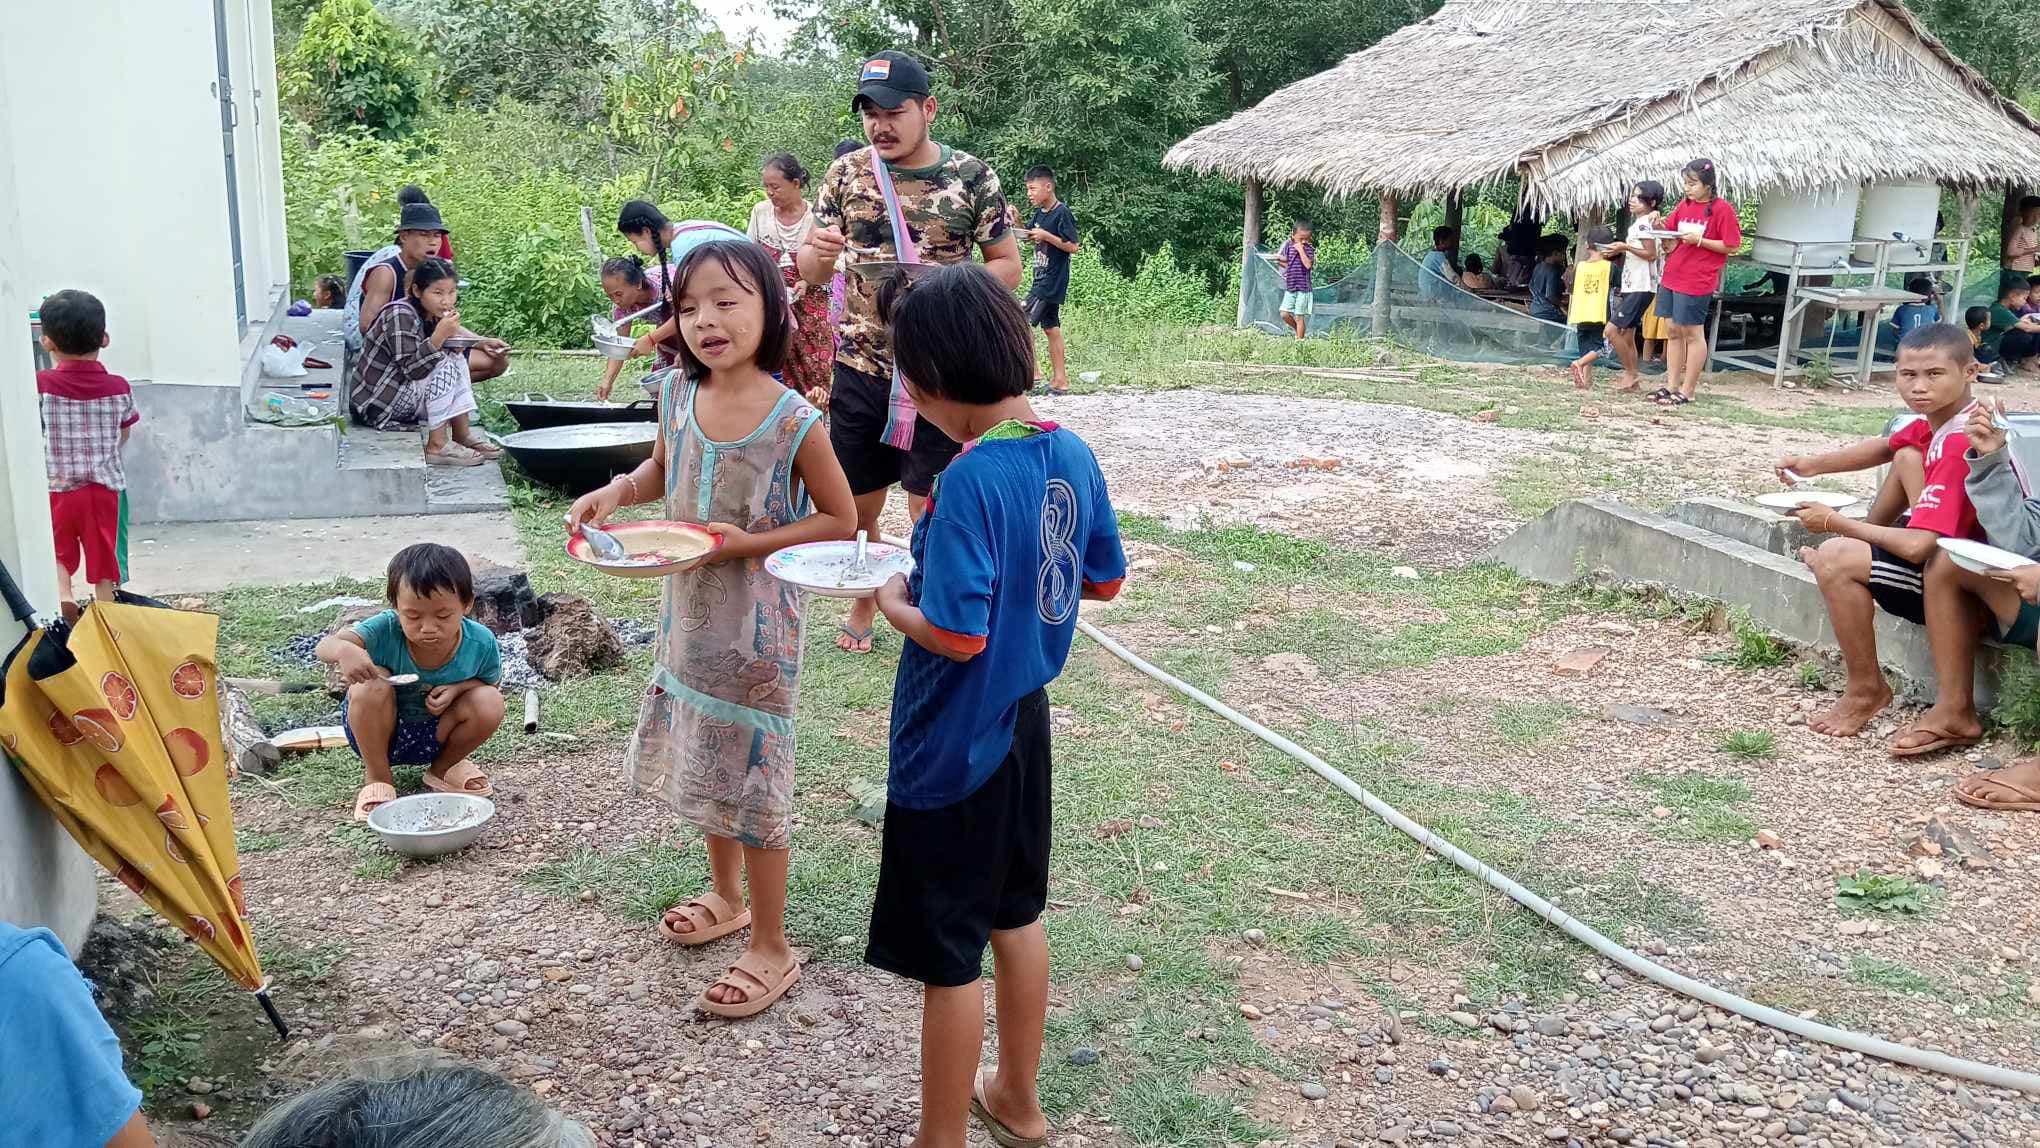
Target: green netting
x=1423 y=311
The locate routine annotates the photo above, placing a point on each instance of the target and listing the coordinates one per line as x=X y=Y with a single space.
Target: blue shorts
x=1681 y=309
x=1298 y=303
x=414 y=742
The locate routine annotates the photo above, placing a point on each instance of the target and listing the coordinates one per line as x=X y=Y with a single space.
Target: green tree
x=1996 y=37
x=675 y=105
x=353 y=67
x=529 y=50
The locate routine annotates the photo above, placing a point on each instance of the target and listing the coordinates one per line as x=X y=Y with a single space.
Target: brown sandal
x=713 y=918
x=1001 y=1135
x=460 y=778
x=373 y=794
x=2013 y=789
x=773 y=982
x=1938 y=740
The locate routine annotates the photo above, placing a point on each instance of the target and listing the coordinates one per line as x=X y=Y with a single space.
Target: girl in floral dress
x=782 y=221
x=744 y=455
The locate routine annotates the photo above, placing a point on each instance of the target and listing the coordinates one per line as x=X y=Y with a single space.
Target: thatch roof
x=1580 y=99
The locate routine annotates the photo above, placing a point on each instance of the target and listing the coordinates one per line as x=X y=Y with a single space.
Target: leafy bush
x=351 y=169
x=1161 y=291
x=1866 y=892
x=354 y=68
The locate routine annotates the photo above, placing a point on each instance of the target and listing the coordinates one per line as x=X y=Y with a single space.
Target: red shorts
x=87 y=518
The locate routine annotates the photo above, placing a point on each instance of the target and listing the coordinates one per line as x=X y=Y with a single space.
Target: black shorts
x=1898 y=586
x=1629 y=309
x=1591 y=335
x=949 y=878
x=858 y=405
x=1044 y=313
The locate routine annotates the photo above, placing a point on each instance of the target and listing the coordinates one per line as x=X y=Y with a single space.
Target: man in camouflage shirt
x=950 y=201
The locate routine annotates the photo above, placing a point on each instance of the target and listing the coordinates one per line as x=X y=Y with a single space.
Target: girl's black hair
x=1702 y=169
x=755 y=268
x=628 y=268
x=640 y=215
x=332 y=284
x=428 y=272
x=411 y=193
x=1475 y=263
x=788 y=167
x=1650 y=193
x=958 y=333
x=428 y=567
x=846 y=147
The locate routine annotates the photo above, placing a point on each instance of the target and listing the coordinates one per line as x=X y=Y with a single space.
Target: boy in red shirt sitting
x=1879 y=561
x=86 y=415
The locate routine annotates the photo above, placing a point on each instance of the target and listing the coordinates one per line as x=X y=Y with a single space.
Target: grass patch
x=258 y=842
x=1531 y=725
x=1755 y=648
x=1749 y=744
x=640 y=882
x=1704 y=808
x=1889 y=976
x=1863 y=892
x=1170 y=1110
x=1809 y=675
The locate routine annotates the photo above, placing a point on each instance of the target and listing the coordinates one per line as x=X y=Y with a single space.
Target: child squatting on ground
x=742 y=454
x=451 y=709
x=1880 y=561
x=1017 y=530
x=87 y=413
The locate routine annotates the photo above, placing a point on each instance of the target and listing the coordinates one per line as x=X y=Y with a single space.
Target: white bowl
x=431 y=824
x=1981 y=557
x=614 y=346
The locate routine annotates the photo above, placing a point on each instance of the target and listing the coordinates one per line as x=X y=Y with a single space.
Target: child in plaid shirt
x=86 y=414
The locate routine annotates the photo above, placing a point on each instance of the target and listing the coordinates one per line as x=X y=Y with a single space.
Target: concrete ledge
x=1750 y=525
x=1595 y=537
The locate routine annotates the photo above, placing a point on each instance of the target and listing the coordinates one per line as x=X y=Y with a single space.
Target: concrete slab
x=198 y=558
x=1743 y=522
x=1595 y=537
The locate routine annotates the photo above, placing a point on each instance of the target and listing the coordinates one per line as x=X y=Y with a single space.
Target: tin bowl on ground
x=431 y=824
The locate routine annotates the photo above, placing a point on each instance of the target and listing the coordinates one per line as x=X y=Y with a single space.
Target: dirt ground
x=1613 y=791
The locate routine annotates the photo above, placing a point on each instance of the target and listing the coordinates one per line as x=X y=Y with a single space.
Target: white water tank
x=1907 y=209
x=1823 y=219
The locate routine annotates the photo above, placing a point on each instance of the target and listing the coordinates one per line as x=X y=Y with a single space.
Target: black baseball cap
x=890 y=79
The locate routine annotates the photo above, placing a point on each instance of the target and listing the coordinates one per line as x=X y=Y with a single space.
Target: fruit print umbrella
x=115 y=724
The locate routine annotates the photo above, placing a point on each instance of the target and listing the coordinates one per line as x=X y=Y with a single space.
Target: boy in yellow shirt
x=1589 y=310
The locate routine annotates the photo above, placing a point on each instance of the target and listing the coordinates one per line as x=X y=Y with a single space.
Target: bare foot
x=1021 y=1115
x=1629 y=386
x=1853 y=711
x=1959 y=726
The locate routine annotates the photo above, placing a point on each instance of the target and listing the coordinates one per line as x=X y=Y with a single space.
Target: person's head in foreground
x=74 y=325
x=435 y=1106
x=431 y=588
x=1700 y=179
x=960 y=341
x=1936 y=366
x=1646 y=197
x=433 y=288
x=1444 y=238
x=784 y=179
x=645 y=226
x=732 y=309
x=1301 y=232
x=1976 y=318
x=1040 y=185
x=894 y=101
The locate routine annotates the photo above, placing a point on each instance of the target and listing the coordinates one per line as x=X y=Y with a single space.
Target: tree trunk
x=1388 y=233
x=1250 y=243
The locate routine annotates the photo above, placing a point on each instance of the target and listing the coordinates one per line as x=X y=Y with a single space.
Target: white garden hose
x=1827 y=1034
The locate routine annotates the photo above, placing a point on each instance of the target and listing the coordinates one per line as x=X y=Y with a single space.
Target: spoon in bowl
x=604 y=544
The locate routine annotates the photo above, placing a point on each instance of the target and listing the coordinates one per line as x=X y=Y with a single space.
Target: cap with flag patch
x=890 y=79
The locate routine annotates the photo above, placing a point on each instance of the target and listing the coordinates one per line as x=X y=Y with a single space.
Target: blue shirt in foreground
x=475 y=657
x=1015 y=530
x=61 y=1084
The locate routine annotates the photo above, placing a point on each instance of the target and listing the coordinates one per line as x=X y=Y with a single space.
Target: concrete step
x=1606 y=540
x=398 y=458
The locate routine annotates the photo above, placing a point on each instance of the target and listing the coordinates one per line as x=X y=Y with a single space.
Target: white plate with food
x=832 y=569
x=655 y=548
x=1787 y=501
x=1981 y=557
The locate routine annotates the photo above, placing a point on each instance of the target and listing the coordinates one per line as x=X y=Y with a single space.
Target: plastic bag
x=284 y=362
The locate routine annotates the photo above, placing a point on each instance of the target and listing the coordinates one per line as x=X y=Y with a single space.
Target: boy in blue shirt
x=1017 y=531
x=61 y=1083
x=445 y=703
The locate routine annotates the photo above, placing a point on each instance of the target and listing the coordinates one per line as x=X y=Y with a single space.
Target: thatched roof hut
x=1579 y=99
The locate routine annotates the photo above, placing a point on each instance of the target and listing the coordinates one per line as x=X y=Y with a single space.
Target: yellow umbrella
x=115 y=724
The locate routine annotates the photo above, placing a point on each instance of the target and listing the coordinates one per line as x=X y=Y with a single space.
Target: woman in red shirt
x=1708 y=233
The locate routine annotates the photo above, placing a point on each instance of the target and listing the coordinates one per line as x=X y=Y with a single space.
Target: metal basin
x=431 y=824
x=577 y=459
x=538 y=411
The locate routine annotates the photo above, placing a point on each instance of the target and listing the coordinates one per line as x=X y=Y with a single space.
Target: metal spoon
x=857 y=566
x=604 y=544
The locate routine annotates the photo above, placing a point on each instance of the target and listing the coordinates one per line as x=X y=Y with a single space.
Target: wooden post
x=1250 y=243
x=1389 y=232
x=588 y=239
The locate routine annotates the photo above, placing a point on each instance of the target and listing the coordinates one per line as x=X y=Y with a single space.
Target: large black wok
x=536 y=411
x=577 y=459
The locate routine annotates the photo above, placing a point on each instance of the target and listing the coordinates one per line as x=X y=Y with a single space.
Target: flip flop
x=1001 y=1135
x=713 y=917
x=775 y=982
x=1659 y=395
x=863 y=636
x=373 y=794
x=1941 y=739
x=2013 y=789
x=457 y=777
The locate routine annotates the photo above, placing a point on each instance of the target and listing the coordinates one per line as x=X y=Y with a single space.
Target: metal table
x=1867 y=300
